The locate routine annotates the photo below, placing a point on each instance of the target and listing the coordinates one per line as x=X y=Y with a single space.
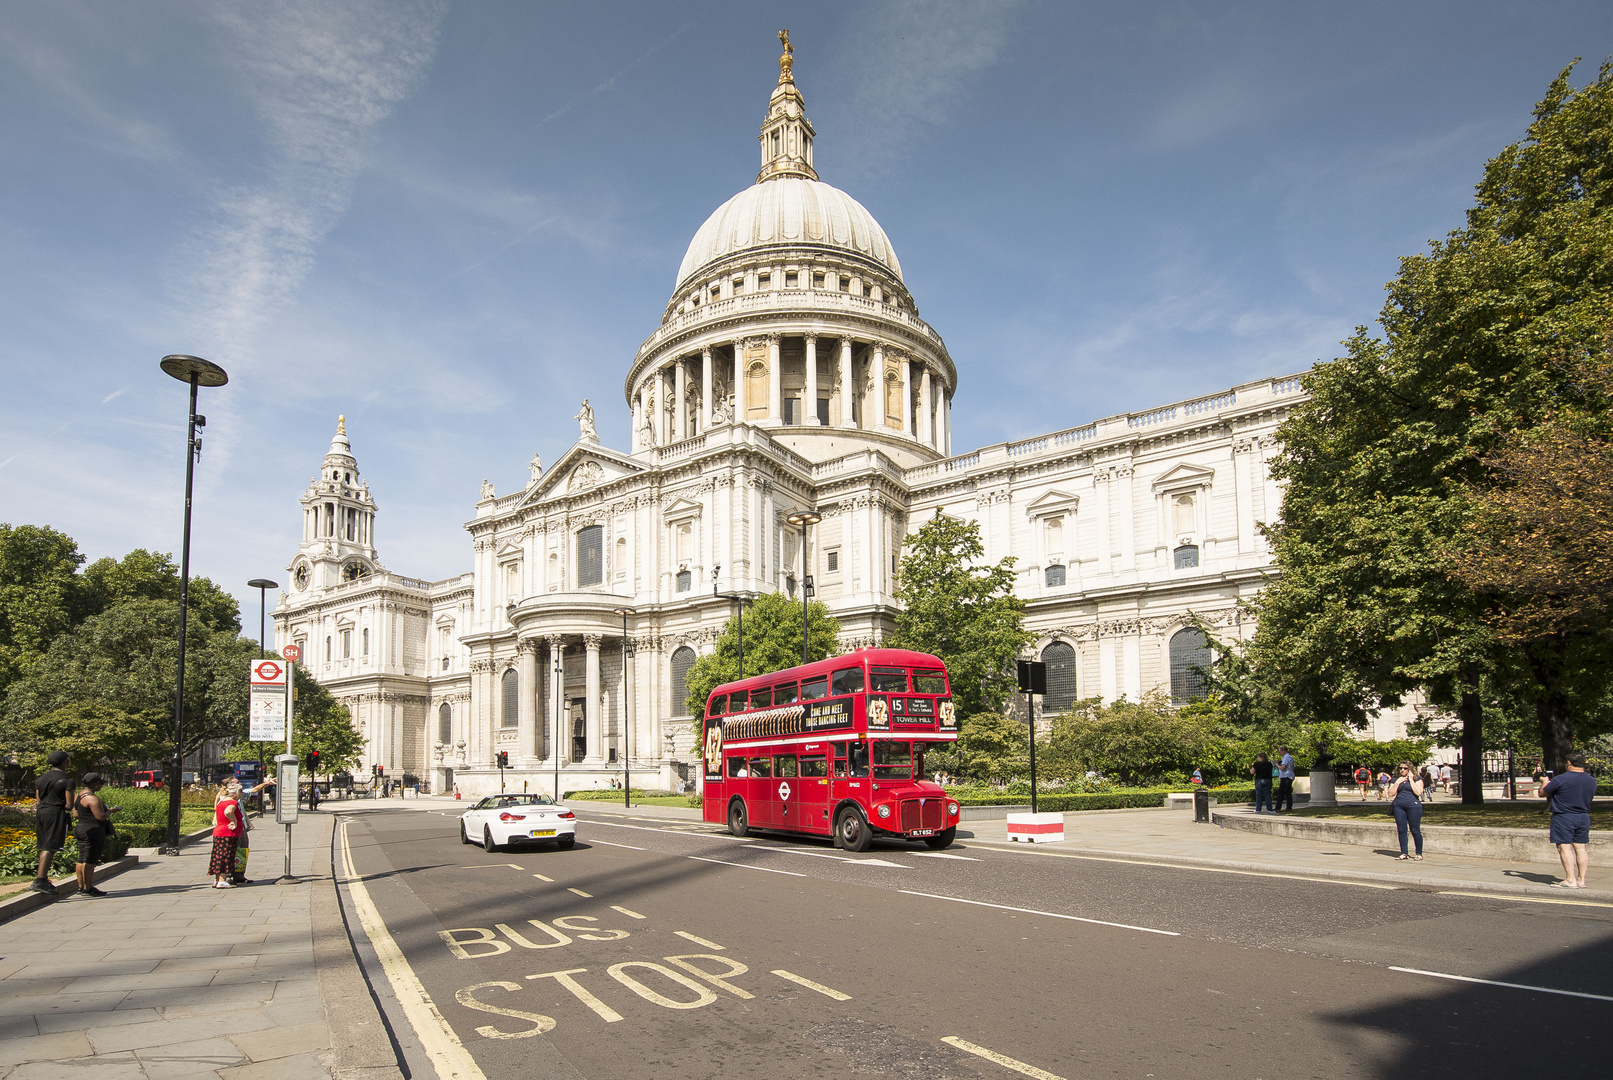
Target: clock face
x=299 y=576
x=354 y=570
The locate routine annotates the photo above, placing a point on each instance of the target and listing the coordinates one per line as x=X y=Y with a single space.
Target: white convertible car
x=504 y=820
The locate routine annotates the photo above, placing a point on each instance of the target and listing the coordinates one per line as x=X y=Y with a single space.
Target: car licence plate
x=922 y=832
x=542 y=832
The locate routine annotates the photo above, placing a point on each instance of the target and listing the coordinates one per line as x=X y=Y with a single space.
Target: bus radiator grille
x=926 y=817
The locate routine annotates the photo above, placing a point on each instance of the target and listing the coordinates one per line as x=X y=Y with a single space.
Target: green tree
x=1381 y=461
x=991 y=748
x=772 y=643
x=962 y=611
x=40 y=594
x=320 y=723
x=100 y=736
x=145 y=575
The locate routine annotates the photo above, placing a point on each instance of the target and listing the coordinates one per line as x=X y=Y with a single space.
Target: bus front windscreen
x=893 y=760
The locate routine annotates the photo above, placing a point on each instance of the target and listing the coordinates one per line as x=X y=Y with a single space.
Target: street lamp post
x=739 y=610
x=627 y=730
x=196 y=372
x=556 y=688
x=263 y=585
x=804 y=520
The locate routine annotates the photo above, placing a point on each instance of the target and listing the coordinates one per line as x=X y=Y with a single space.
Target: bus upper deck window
x=932 y=681
x=848 y=681
x=787 y=694
x=718 y=704
x=736 y=701
x=761 y=699
x=859 y=759
x=889 y=680
x=813 y=689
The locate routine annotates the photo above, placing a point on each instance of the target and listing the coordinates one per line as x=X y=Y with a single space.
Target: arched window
x=1055 y=576
x=1060 y=660
x=591 y=555
x=682 y=661
x=1187 y=556
x=1190 y=658
x=445 y=723
x=685 y=580
x=509 y=711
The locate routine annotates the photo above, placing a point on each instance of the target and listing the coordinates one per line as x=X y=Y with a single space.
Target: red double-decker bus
x=834 y=748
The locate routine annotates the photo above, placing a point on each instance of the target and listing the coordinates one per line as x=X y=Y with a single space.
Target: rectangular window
x=929 y=681
x=785 y=766
x=591 y=555
x=736 y=768
x=762 y=699
x=737 y=701
x=1182 y=516
x=763 y=281
x=790 y=412
x=813 y=689
x=685 y=580
x=787 y=694
x=823 y=411
x=893 y=760
x=327 y=654
x=366 y=649
x=834 y=562
x=718 y=705
x=347 y=644
x=814 y=767
x=889 y=680
x=848 y=681
x=817 y=281
x=761 y=767
x=790 y=279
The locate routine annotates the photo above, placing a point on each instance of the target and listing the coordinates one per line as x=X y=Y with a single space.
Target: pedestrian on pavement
x=228 y=825
x=1571 y=794
x=1406 y=803
x=1285 y=781
x=51 y=792
x=91 y=830
x=1363 y=780
x=1445 y=778
x=1384 y=780
x=1261 y=771
x=1428 y=784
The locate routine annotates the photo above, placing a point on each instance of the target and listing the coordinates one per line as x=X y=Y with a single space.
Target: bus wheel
x=738 y=820
x=852 y=832
x=941 y=839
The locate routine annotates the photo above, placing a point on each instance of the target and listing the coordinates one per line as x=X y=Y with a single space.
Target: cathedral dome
x=788 y=211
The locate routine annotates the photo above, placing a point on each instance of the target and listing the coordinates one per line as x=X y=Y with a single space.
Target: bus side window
x=812 y=767
x=848 y=681
x=736 y=701
x=786 y=766
x=736 y=768
x=859 y=759
x=840 y=759
x=718 y=705
x=761 y=766
x=813 y=689
x=785 y=695
x=761 y=699
x=840 y=767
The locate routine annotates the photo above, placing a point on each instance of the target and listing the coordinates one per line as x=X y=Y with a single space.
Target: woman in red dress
x=228 y=825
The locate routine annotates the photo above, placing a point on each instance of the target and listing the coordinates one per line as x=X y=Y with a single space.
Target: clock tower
x=338 y=523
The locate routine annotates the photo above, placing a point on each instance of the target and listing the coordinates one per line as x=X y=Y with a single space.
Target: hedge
x=1101 y=800
x=22 y=858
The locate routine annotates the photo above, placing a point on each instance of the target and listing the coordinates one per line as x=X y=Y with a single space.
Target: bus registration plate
x=542 y=832
x=922 y=832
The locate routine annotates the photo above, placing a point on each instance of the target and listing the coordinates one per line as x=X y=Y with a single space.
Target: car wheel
x=942 y=839
x=566 y=841
x=487 y=840
x=464 y=835
x=851 y=830
x=738 y=819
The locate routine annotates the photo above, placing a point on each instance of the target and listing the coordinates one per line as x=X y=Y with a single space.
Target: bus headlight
x=884 y=810
x=952 y=808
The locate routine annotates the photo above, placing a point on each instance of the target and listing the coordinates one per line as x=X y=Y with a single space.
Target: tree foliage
x=39 y=594
x=962 y=611
x=772 y=642
x=99 y=735
x=1381 y=463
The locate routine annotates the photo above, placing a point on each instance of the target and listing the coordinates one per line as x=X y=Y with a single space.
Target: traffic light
x=502 y=759
x=313 y=761
x=380 y=771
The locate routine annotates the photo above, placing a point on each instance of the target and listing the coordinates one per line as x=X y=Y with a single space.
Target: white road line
x=836 y=858
x=1507 y=985
x=1001 y=1059
x=607 y=843
x=540 y=877
x=675 y=832
x=446 y=1053
x=1032 y=849
x=940 y=855
x=629 y=914
x=810 y=985
x=492 y=866
x=743 y=866
x=579 y=892
x=1524 y=899
x=1048 y=914
x=699 y=940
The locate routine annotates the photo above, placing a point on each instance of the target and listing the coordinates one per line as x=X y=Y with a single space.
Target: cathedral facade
x=790 y=375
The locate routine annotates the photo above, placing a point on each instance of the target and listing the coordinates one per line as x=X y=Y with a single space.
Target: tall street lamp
x=739 y=613
x=197 y=372
x=262 y=585
x=804 y=520
x=627 y=730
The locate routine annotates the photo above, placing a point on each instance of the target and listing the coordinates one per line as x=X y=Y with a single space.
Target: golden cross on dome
x=341 y=425
x=786 y=61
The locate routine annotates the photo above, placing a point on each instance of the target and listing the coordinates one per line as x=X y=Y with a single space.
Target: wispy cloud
x=610 y=83
x=322 y=76
x=914 y=59
x=119 y=392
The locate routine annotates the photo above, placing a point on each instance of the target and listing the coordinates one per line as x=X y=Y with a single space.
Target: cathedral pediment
x=1053 y=502
x=581 y=469
x=1185 y=475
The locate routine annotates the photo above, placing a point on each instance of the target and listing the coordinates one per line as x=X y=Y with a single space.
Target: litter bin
x=1201 y=805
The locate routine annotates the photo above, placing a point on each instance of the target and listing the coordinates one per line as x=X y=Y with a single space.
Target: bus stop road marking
x=699 y=940
x=1505 y=985
x=629 y=914
x=579 y=892
x=492 y=866
x=810 y=985
x=744 y=866
x=646 y=828
x=540 y=877
x=607 y=843
x=1046 y=914
x=1000 y=1059
x=826 y=855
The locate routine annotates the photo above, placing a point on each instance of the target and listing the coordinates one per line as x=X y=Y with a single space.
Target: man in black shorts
x=51 y=792
x=1571 y=795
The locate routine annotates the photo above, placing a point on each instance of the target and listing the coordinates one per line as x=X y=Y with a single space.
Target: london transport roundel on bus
x=784 y=789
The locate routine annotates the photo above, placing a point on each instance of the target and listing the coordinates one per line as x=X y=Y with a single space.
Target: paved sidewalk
x=169 y=977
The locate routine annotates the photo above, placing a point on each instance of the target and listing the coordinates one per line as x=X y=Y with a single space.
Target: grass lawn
x=644 y=800
x=1523 y=814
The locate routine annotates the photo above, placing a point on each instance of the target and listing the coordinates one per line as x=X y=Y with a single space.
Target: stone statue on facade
x=722 y=409
x=585 y=423
x=646 y=426
x=534 y=470
x=487 y=490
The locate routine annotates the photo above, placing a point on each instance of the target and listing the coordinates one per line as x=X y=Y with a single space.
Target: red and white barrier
x=1036 y=828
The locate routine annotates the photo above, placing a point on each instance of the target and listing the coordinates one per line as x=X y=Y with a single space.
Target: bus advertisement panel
x=834 y=748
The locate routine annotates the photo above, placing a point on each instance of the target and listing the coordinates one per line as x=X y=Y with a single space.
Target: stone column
x=926 y=424
x=559 y=723
x=941 y=432
x=876 y=368
x=638 y=414
x=591 y=711
x=907 y=396
x=680 y=400
x=705 y=389
x=526 y=705
x=848 y=408
x=809 y=404
x=774 y=383
x=739 y=381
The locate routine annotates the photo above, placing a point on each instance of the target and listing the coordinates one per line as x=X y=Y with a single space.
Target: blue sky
x=452 y=222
